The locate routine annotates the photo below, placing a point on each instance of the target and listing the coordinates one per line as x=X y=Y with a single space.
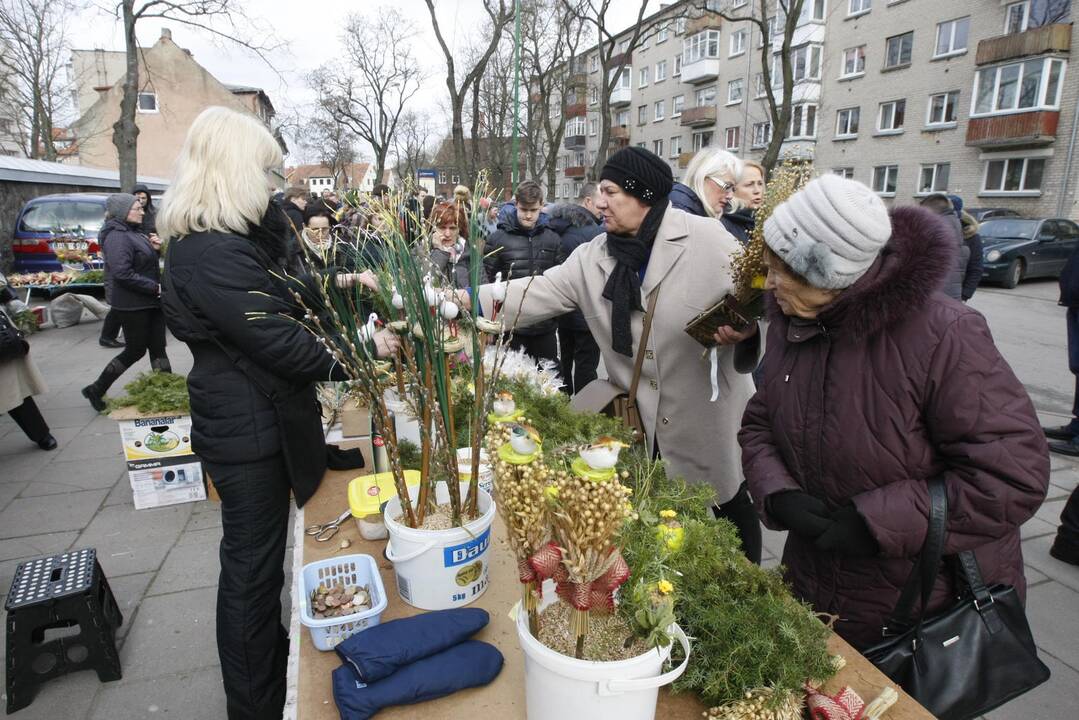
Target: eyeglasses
x=318 y=231
x=722 y=184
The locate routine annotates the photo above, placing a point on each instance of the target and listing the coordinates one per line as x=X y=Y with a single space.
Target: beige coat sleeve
x=540 y=297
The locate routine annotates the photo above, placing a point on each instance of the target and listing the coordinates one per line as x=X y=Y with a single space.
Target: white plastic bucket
x=464 y=465
x=559 y=687
x=440 y=569
x=405 y=424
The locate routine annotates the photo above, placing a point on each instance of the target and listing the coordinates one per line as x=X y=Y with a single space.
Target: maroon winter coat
x=895 y=384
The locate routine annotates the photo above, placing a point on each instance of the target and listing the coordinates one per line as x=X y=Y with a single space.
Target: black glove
x=848 y=534
x=338 y=459
x=800 y=512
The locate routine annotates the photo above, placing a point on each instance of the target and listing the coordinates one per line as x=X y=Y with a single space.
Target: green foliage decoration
x=154 y=392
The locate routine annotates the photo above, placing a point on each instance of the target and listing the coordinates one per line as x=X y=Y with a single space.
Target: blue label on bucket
x=460 y=554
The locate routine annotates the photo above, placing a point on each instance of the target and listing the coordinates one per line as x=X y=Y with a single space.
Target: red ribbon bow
x=846 y=705
x=595 y=595
x=542 y=565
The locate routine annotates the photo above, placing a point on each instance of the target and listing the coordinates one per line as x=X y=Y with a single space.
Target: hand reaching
x=386 y=343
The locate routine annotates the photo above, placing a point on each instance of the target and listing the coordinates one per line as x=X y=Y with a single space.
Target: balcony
x=1016 y=129
x=699 y=116
x=575 y=142
x=707 y=21
x=684 y=158
x=620 y=59
x=620 y=97
x=577 y=80
x=701 y=71
x=1036 y=41
x=576 y=110
x=577 y=171
x=619 y=132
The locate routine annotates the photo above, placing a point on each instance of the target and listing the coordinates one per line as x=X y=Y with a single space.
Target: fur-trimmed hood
x=911 y=267
x=567 y=215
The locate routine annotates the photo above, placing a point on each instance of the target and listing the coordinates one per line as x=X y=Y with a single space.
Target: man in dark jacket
x=973 y=241
x=522 y=246
x=576 y=224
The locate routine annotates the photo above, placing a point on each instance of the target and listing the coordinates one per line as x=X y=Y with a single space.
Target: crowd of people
x=867 y=377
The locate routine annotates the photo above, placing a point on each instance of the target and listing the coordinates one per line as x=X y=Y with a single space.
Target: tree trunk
x=125 y=132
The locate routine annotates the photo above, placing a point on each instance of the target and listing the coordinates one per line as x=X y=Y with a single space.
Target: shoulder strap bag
x=13 y=343
x=606 y=397
x=969 y=659
x=299 y=424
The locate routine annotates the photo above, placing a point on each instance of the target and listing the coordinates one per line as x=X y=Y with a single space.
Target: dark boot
x=161 y=364
x=95 y=392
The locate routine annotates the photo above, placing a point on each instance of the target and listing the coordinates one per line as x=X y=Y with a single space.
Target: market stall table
x=310 y=693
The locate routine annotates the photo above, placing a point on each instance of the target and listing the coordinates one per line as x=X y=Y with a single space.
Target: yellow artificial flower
x=665 y=587
x=758 y=282
x=667 y=514
x=551 y=491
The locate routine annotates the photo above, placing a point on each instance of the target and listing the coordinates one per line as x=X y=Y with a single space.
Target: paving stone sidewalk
x=163 y=564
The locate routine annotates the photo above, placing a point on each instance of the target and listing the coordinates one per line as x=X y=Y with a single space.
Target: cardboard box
x=161 y=467
x=355 y=419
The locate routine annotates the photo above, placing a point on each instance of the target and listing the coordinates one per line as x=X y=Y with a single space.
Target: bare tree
x=382 y=76
x=223 y=19
x=328 y=141
x=549 y=56
x=494 y=97
x=411 y=145
x=785 y=15
x=499 y=14
x=33 y=45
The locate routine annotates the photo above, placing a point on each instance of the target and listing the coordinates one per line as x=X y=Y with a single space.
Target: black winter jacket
x=976 y=263
x=575 y=226
x=684 y=198
x=131 y=267
x=149 y=218
x=225 y=281
x=517 y=252
x=292 y=234
x=1069 y=281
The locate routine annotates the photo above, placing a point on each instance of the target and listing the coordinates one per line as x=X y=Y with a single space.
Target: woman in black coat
x=225 y=297
x=134 y=291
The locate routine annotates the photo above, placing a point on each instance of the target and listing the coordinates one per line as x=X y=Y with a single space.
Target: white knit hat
x=830 y=231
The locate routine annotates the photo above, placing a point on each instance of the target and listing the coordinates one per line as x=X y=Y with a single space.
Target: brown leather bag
x=606 y=397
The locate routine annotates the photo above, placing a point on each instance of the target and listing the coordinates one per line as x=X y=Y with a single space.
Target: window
x=762 y=134
x=662 y=34
x=1014 y=175
x=593 y=95
x=1016 y=17
x=593 y=127
x=735 y=90
x=676 y=146
x=854 y=61
x=455 y=178
x=657 y=147
x=1019 y=86
x=805 y=63
x=844 y=172
x=677 y=65
x=803 y=122
x=885 y=178
x=738 y=42
x=677 y=104
x=701 y=46
x=934 y=178
x=891 y=116
x=658 y=110
x=661 y=70
x=812 y=10
x=593 y=63
x=899 y=50
x=680 y=26
x=642 y=77
x=846 y=123
x=575 y=127
x=623 y=46
x=772 y=24
x=625 y=79
x=738 y=3
x=441 y=177
x=622 y=118
x=147 y=102
x=759 y=84
x=642 y=114
x=734 y=138
x=706 y=96
x=942 y=108
x=952 y=37
x=857 y=7
x=702 y=140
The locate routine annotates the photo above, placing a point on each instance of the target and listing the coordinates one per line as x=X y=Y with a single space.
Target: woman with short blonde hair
x=750 y=188
x=708 y=188
x=255 y=423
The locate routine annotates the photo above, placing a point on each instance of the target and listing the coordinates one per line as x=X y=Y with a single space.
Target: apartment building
x=909 y=96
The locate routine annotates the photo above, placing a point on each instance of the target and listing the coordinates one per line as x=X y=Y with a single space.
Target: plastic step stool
x=61 y=617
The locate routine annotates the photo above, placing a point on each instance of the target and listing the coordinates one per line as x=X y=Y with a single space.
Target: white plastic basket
x=361 y=570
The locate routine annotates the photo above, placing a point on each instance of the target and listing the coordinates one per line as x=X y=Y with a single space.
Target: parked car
x=981 y=214
x=1015 y=248
x=67 y=223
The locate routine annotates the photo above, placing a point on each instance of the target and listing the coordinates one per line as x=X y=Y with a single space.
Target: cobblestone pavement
x=163 y=564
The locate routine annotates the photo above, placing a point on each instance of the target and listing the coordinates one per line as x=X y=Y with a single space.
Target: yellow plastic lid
x=367 y=492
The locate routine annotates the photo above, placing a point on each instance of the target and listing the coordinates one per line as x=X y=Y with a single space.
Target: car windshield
x=1008 y=228
x=63 y=215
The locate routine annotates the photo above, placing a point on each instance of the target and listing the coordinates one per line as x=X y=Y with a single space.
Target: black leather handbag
x=969 y=659
x=13 y=343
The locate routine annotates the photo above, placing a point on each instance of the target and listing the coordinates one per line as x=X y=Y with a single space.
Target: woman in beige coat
x=20 y=381
x=691 y=401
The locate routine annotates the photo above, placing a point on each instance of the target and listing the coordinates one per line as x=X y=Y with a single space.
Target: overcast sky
x=311 y=33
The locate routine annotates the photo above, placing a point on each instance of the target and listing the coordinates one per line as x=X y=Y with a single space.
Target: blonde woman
x=750 y=189
x=226 y=251
x=708 y=189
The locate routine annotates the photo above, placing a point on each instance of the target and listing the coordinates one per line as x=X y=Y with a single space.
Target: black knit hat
x=640 y=173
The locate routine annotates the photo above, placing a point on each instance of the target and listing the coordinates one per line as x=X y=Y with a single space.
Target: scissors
x=326 y=531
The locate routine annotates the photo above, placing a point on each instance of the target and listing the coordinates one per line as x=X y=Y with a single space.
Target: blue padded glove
x=470 y=664
x=380 y=651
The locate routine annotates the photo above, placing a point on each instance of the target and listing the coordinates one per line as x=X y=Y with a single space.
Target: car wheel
x=1014 y=274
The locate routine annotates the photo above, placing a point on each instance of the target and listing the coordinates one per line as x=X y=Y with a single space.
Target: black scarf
x=623 y=287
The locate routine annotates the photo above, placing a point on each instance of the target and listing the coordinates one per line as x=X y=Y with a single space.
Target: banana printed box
x=161 y=466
